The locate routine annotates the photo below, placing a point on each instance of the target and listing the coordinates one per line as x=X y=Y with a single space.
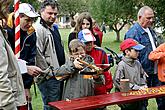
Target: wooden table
x=88 y=103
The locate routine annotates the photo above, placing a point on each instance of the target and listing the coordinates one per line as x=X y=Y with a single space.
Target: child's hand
x=77 y=64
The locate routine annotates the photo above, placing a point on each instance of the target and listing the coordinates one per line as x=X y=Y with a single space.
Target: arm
x=40 y=58
x=158 y=53
x=67 y=69
x=74 y=66
x=32 y=51
x=142 y=81
x=107 y=74
x=6 y=95
x=119 y=74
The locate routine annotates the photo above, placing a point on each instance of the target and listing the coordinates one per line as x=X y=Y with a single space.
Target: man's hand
x=33 y=70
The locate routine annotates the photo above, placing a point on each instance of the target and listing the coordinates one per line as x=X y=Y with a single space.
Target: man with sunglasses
x=143 y=33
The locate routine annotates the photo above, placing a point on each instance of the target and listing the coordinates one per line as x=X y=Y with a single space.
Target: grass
x=108 y=41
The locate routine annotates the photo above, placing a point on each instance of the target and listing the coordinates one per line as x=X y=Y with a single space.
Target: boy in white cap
x=130 y=68
x=100 y=58
x=27 y=15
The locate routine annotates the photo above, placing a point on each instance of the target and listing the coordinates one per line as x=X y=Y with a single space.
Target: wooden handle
x=89 y=65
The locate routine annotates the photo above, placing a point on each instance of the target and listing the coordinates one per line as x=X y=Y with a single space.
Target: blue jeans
x=153 y=81
x=51 y=90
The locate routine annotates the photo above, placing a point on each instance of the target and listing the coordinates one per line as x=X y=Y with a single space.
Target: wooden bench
x=91 y=102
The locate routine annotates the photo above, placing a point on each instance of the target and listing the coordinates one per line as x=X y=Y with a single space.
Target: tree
x=116 y=13
x=72 y=7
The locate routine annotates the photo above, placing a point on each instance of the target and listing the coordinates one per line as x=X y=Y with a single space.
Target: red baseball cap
x=130 y=43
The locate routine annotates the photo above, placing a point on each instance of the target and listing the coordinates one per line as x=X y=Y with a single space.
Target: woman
x=84 y=21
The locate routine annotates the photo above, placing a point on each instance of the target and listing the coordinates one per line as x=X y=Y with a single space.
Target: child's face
x=85 y=24
x=132 y=53
x=88 y=46
x=80 y=53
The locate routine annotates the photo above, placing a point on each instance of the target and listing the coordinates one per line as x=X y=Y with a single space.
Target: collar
x=129 y=61
x=43 y=23
x=137 y=25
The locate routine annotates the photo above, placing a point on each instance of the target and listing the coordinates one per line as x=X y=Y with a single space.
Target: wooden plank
x=91 y=102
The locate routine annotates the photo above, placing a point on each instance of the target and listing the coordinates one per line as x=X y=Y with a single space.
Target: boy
x=78 y=85
x=130 y=68
x=100 y=57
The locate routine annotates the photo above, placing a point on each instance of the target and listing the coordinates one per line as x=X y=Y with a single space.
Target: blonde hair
x=74 y=44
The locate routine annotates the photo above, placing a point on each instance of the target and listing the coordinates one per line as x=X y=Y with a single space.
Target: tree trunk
x=117 y=36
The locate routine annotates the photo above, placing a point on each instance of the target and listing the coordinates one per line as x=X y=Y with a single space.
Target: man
x=144 y=34
x=27 y=44
x=11 y=85
x=50 y=53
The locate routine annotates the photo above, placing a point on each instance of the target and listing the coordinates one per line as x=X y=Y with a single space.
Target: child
x=130 y=68
x=100 y=58
x=77 y=85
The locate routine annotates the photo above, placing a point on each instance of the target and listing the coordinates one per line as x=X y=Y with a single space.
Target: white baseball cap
x=85 y=35
x=28 y=10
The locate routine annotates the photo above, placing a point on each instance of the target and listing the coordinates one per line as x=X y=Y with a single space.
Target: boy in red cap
x=130 y=68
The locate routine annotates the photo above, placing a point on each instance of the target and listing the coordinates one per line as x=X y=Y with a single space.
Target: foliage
x=158 y=7
x=115 y=13
x=72 y=7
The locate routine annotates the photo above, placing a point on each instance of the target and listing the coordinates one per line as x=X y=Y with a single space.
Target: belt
x=55 y=77
x=48 y=77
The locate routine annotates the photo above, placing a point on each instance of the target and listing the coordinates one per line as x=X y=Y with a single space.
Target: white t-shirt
x=151 y=38
x=153 y=46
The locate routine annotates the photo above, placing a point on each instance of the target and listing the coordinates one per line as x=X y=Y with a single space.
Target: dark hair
x=51 y=3
x=81 y=17
x=73 y=23
x=129 y=49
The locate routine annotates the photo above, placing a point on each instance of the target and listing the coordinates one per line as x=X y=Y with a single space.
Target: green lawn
x=108 y=41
